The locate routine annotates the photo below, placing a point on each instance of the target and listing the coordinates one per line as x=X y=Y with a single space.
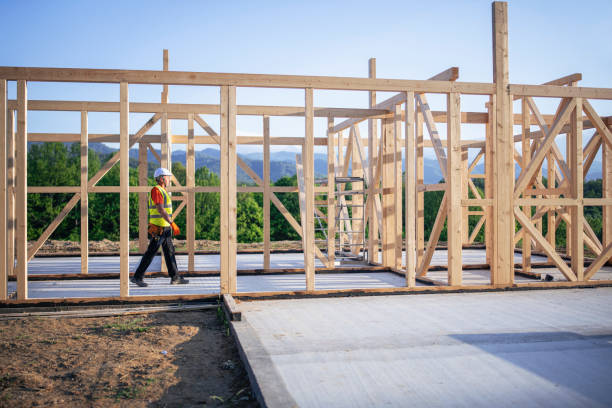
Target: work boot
x=139 y=282
x=178 y=280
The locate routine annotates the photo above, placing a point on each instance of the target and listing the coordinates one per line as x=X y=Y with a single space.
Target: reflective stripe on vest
x=155 y=217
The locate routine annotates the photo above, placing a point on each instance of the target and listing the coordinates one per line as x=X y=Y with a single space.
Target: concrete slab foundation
x=535 y=348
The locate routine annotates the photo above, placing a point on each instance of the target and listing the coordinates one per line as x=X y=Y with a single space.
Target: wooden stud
x=397 y=193
x=340 y=171
x=420 y=195
x=373 y=239
x=309 y=261
x=10 y=174
x=84 y=195
x=231 y=175
x=388 y=199
x=3 y=193
x=266 y=193
x=331 y=196
x=357 y=199
x=606 y=164
x=489 y=179
x=228 y=189
x=551 y=235
x=190 y=179
x=503 y=270
x=576 y=232
x=465 y=224
x=526 y=150
x=224 y=195
x=21 y=196
x=410 y=190
x=454 y=190
x=166 y=141
x=124 y=196
x=143 y=198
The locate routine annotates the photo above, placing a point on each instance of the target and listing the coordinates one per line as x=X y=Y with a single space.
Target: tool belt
x=155 y=230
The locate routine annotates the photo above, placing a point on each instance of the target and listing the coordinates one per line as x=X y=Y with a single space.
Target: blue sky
x=409 y=39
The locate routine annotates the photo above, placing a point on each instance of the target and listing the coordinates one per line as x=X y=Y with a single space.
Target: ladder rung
x=348 y=179
x=350 y=192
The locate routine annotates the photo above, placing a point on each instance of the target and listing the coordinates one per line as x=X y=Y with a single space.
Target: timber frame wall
x=507 y=198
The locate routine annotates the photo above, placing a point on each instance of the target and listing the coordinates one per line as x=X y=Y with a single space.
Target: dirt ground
x=105 y=246
x=178 y=359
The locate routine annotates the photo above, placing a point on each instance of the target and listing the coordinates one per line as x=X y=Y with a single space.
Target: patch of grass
x=129 y=326
x=133 y=392
x=49 y=341
x=128 y=393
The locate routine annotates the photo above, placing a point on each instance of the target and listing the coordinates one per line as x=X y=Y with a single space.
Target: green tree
x=280 y=229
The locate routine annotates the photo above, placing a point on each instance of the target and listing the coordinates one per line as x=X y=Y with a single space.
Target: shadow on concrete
x=566 y=359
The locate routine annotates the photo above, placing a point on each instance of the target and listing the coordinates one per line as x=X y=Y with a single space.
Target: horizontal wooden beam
x=210 y=109
x=566 y=80
x=240 y=80
x=554 y=91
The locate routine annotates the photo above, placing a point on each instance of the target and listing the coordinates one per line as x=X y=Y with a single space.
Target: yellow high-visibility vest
x=155 y=217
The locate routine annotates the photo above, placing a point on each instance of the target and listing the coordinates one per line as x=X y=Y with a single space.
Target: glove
x=175 y=229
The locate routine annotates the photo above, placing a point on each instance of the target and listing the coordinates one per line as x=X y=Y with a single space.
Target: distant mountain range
x=283 y=163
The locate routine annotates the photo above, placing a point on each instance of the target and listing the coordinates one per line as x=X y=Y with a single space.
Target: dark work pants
x=165 y=240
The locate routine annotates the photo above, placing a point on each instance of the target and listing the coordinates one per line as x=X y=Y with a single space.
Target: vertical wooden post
x=10 y=174
x=232 y=144
x=357 y=199
x=373 y=240
x=465 y=220
x=190 y=179
x=526 y=151
x=551 y=235
x=454 y=189
x=576 y=233
x=606 y=167
x=21 y=195
x=388 y=199
x=84 y=193
x=143 y=198
x=503 y=273
x=397 y=191
x=266 y=193
x=410 y=191
x=3 y=195
x=124 y=195
x=309 y=255
x=489 y=180
x=331 y=196
x=166 y=140
x=420 y=195
x=228 y=189
x=224 y=194
x=340 y=172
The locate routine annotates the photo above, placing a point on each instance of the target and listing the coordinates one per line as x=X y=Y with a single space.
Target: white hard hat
x=162 y=172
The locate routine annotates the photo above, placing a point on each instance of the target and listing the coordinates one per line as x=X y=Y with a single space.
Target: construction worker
x=161 y=229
